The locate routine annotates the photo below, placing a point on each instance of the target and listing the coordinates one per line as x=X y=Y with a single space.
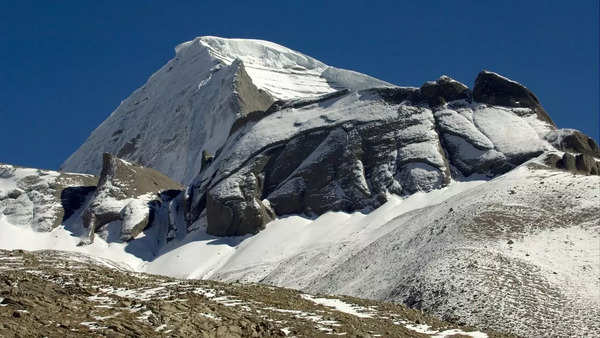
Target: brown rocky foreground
x=54 y=293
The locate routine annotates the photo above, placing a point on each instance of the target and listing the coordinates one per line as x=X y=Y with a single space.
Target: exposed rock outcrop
x=444 y=90
x=583 y=164
x=126 y=193
x=494 y=89
x=42 y=199
x=234 y=206
x=348 y=150
x=573 y=141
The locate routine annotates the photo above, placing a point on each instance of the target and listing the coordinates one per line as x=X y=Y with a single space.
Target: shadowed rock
x=577 y=164
x=573 y=141
x=444 y=90
x=494 y=89
x=234 y=206
x=125 y=192
x=585 y=163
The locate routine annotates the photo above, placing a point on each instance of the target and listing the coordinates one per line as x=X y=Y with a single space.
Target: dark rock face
x=354 y=165
x=207 y=159
x=343 y=168
x=248 y=97
x=585 y=163
x=568 y=162
x=577 y=164
x=444 y=90
x=574 y=141
x=494 y=89
x=125 y=192
x=72 y=198
x=433 y=93
x=234 y=206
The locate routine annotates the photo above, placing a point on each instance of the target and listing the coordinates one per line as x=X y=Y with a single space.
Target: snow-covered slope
x=282 y=72
x=311 y=177
x=489 y=253
x=190 y=104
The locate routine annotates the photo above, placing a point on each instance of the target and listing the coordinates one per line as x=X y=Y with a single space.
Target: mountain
x=190 y=104
x=242 y=160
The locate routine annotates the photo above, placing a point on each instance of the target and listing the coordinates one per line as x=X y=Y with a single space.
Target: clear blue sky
x=66 y=65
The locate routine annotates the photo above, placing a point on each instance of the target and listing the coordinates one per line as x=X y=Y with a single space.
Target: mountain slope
x=448 y=252
x=190 y=104
x=54 y=293
x=301 y=175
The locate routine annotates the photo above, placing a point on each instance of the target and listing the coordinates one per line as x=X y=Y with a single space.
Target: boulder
x=585 y=163
x=444 y=90
x=207 y=160
x=494 y=89
x=135 y=217
x=553 y=160
x=568 y=162
x=595 y=170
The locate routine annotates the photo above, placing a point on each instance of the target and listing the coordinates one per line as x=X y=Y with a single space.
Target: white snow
x=509 y=133
x=186 y=106
x=253 y=257
x=340 y=305
x=502 y=77
x=249 y=256
x=282 y=72
x=459 y=124
x=93 y=326
x=426 y=329
x=14 y=237
x=33 y=208
x=569 y=256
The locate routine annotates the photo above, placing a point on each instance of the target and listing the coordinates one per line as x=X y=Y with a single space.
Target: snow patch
x=341 y=306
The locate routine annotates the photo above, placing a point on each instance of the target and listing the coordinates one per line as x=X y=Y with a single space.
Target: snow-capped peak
x=280 y=71
x=258 y=53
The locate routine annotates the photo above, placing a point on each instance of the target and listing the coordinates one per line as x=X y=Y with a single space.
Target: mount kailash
x=243 y=160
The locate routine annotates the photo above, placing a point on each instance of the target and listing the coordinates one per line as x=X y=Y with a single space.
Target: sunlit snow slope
x=190 y=104
x=462 y=252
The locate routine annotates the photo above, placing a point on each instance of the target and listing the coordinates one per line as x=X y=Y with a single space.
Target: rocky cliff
x=349 y=150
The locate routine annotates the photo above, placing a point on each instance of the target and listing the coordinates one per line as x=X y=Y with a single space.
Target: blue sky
x=66 y=65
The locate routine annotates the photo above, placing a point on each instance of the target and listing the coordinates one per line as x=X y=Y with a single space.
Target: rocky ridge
x=348 y=150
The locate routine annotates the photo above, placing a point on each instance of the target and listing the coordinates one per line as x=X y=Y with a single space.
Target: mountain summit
x=190 y=104
x=243 y=160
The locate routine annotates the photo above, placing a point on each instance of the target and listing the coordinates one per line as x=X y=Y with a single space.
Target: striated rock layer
x=349 y=150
